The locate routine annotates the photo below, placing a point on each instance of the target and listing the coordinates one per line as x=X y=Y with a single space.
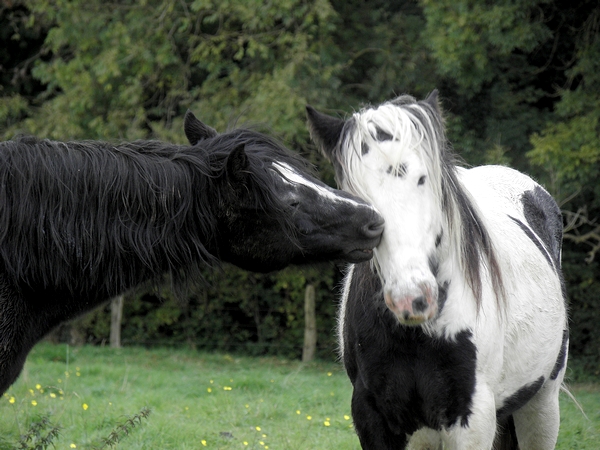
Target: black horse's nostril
x=374 y=228
x=419 y=304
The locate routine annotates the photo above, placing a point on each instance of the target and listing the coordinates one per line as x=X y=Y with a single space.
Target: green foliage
x=233 y=310
x=123 y=71
x=123 y=429
x=40 y=435
x=569 y=146
x=468 y=38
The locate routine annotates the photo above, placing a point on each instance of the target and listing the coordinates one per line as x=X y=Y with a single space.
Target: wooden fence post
x=116 y=315
x=310 y=324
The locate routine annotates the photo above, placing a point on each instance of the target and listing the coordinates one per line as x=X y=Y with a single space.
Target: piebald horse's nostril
x=419 y=304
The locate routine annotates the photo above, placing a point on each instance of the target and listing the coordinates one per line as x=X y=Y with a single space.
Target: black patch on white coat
x=438 y=239
x=403 y=379
x=536 y=241
x=561 y=359
x=364 y=148
x=544 y=217
x=434 y=265
x=519 y=399
x=382 y=136
x=442 y=295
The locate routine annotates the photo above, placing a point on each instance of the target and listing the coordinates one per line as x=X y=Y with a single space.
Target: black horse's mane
x=87 y=215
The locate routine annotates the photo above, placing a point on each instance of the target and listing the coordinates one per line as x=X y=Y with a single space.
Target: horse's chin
x=412 y=322
x=358 y=255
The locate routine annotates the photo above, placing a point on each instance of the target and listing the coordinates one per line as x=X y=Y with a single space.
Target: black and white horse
x=83 y=221
x=459 y=325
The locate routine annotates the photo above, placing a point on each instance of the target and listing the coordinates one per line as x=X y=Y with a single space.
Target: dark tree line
x=519 y=81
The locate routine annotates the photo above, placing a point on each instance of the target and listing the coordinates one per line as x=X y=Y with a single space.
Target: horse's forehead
x=292 y=177
x=376 y=127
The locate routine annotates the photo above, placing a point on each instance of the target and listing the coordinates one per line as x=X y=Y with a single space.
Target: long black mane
x=85 y=215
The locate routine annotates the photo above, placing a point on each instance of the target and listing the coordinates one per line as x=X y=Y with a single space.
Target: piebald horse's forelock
x=418 y=125
x=65 y=196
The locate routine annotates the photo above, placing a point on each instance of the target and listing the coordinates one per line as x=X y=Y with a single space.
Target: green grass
x=200 y=400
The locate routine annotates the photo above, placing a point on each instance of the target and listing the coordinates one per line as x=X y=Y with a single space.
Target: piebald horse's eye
x=421 y=181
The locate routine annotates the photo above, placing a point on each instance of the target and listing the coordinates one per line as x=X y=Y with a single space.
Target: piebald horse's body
x=459 y=325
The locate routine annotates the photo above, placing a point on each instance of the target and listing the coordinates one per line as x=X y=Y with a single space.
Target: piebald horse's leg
x=425 y=439
x=538 y=421
x=370 y=424
x=479 y=432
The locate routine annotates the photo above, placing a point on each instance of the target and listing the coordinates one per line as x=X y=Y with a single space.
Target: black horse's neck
x=85 y=217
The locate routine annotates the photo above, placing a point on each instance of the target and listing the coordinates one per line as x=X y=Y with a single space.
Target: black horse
x=81 y=222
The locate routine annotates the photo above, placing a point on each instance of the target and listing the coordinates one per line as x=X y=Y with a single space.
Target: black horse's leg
x=14 y=327
x=373 y=432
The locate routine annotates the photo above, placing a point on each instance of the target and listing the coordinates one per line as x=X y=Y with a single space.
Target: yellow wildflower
x=85 y=406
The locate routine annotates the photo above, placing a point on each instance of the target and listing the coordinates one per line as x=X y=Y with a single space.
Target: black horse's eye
x=421 y=181
x=295 y=204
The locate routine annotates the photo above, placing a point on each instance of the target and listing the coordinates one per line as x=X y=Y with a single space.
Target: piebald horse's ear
x=195 y=130
x=433 y=101
x=324 y=130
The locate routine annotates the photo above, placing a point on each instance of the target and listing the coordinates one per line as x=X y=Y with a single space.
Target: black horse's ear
x=433 y=101
x=195 y=130
x=324 y=130
x=238 y=163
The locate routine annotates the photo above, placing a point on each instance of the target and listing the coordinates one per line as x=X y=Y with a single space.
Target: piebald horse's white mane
x=419 y=126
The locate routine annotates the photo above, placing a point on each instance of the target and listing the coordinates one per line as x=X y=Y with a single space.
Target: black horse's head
x=270 y=212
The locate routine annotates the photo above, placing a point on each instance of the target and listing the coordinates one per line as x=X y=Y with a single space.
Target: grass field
x=200 y=400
